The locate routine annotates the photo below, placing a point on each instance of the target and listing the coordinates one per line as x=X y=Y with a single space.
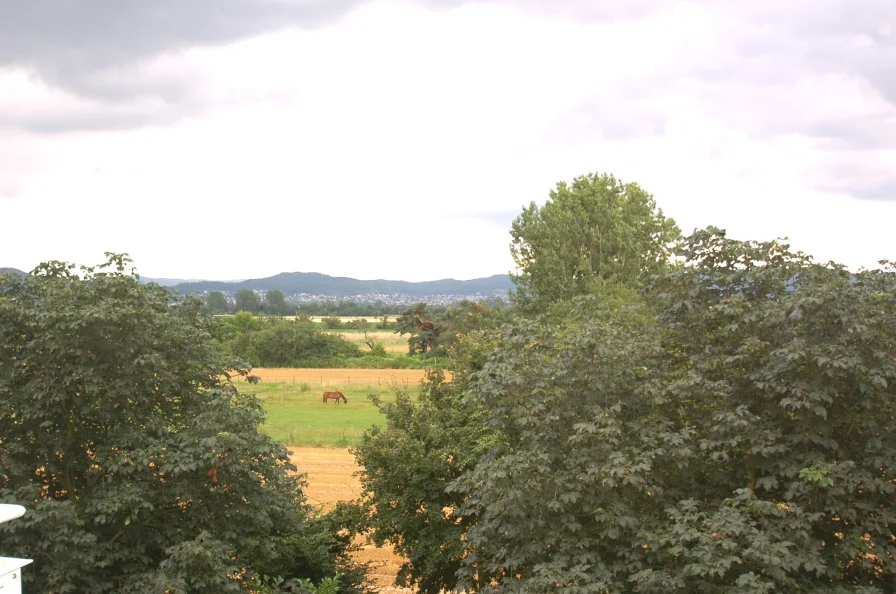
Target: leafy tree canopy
x=291 y=343
x=425 y=333
x=438 y=332
x=597 y=227
x=138 y=472
x=275 y=303
x=247 y=300
x=741 y=438
x=216 y=303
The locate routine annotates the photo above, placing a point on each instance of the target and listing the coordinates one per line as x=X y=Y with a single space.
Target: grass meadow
x=296 y=415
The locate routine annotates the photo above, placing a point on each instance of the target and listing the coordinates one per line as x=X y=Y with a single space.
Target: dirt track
x=330 y=476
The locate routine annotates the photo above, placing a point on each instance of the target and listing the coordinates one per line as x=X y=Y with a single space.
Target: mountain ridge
x=316 y=283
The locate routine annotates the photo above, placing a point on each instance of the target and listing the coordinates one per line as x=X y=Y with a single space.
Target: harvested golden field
x=330 y=474
x=329 y=377
x=330 y=477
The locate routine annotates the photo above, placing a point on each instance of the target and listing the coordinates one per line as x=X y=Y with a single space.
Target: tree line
x=274 y=302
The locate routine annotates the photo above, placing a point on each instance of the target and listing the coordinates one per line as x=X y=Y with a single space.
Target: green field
x=297 y=416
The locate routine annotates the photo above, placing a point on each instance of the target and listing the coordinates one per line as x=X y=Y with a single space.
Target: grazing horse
x=335 y=396
x=230 y=388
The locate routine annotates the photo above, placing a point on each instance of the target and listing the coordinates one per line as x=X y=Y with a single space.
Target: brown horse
x=335 y=396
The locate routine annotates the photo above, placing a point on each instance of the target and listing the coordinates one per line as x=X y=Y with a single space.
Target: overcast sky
x=230 y=139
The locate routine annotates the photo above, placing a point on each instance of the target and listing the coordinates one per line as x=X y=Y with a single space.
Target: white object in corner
x=10 y=567
x=11 y=574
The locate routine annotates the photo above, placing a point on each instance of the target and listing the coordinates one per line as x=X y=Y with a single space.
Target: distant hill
x=12 y=271
x=320 y=284
x=173 y=282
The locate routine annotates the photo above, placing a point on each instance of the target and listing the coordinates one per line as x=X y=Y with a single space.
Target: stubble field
x=318 y=435
x=330 y=474
x=336 y=377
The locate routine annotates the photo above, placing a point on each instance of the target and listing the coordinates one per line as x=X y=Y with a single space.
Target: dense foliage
x=216 y=303
x=595 y=228
x=138 y=472
x=744 y=441
x=273 y=342
x=247 y=300
x=275 y=304
x=436 y=333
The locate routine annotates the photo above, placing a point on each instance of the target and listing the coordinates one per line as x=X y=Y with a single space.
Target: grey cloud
x=70 y=42
x=850 y=133
x=94 y=120
x=773 y=110
x=587 y=10
x=837 y=36
x=750 y=86
x=802 y=18
x=748 y=81
x=883 y=191
x=852 y=175
x=872 y=189
x=94 y=50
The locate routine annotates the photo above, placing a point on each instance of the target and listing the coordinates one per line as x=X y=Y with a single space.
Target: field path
x=330 y=476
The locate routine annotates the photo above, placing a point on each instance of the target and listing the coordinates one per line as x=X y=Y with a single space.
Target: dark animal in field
x=230 y=388
x=253 y=379
x=335 y=396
